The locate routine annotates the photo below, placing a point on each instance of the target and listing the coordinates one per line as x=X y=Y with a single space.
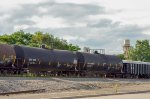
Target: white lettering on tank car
x=75 y=61
x=58 y=64
x=32 y=61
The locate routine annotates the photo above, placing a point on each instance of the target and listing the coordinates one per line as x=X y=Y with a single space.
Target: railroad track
x=23 y=92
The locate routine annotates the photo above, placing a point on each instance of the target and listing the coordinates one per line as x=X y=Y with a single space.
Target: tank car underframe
x=82 y=73
x=13 y=71
x=128 y=75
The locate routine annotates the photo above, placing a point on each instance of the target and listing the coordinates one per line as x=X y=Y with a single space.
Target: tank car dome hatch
x=43 y=46
x=96 y=52
x=7 y=55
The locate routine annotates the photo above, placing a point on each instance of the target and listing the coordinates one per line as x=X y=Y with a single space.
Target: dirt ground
x=115 y=88
x=127 y=96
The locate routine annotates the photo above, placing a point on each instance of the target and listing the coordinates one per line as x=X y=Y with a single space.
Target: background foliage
x=37 y=39
x=141 y=52
x=121 y=56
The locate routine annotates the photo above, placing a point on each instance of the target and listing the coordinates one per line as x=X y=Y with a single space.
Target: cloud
x=51 y=13
x=107 y=37
x=104 y=23
x=84 y=24
x=75 y=11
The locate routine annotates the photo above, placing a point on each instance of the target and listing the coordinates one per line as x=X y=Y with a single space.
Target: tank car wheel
x=0 y=73
x=137 y=76
x=5 y=72
x=21 y=72
x=11 y=72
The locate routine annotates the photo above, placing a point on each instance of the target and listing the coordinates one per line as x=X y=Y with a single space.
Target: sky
x=99 y=24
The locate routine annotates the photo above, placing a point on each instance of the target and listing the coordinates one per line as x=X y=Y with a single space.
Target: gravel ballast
x=14 y=84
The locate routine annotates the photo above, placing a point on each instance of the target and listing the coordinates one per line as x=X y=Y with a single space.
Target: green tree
x=36 y=40
x=121 y=56
x=19 y=38
x=141 y=52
